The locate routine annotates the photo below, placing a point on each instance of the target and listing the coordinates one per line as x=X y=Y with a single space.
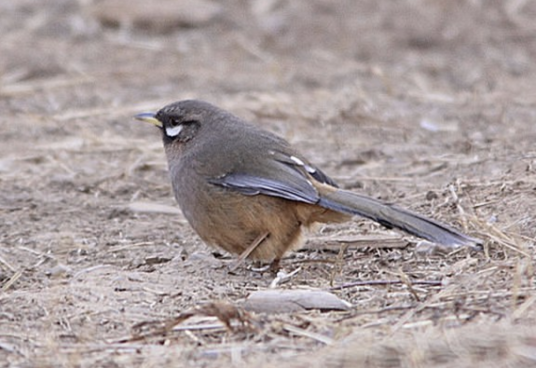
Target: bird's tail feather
x=395 y=217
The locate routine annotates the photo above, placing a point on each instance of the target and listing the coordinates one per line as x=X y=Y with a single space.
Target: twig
x=248 y=251
x=12 y=280
x=384 y=282
x=283 y=277
x=6 y=263
x=502 y=239
x=312 y=335
x=406 y=281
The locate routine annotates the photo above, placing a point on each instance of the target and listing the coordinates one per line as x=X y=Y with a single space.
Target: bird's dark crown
x=183 y=112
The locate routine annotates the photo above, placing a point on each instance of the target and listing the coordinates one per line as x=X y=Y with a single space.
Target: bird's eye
x=173 y=122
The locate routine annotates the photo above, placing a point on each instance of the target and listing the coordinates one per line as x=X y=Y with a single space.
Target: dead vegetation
x=426 y=103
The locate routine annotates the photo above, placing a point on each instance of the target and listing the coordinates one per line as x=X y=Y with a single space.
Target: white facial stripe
x=173 y=131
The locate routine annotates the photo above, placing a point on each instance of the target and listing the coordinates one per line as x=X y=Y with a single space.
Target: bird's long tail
x=392 y=216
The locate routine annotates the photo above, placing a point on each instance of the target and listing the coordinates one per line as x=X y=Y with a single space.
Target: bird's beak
x=149 y=117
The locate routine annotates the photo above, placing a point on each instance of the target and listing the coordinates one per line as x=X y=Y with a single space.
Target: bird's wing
x=302 y=166
x=283 y=176
x=252 y=185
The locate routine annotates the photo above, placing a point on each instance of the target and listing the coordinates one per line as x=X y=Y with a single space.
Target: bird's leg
x=275 y=265
x=258 y=240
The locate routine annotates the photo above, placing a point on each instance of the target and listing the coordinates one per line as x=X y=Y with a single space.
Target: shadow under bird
x=251 y=193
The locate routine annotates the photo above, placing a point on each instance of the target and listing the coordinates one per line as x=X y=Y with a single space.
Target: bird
x=249 y=192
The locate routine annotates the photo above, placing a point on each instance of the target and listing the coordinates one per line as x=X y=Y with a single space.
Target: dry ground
x=429 y=103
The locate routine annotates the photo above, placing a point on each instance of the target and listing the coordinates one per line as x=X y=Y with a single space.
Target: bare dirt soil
x=430 y=104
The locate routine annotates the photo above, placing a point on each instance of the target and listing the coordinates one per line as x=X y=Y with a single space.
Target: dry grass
x=97 y=268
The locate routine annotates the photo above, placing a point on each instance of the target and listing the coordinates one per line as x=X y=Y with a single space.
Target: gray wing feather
x=253 y=185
